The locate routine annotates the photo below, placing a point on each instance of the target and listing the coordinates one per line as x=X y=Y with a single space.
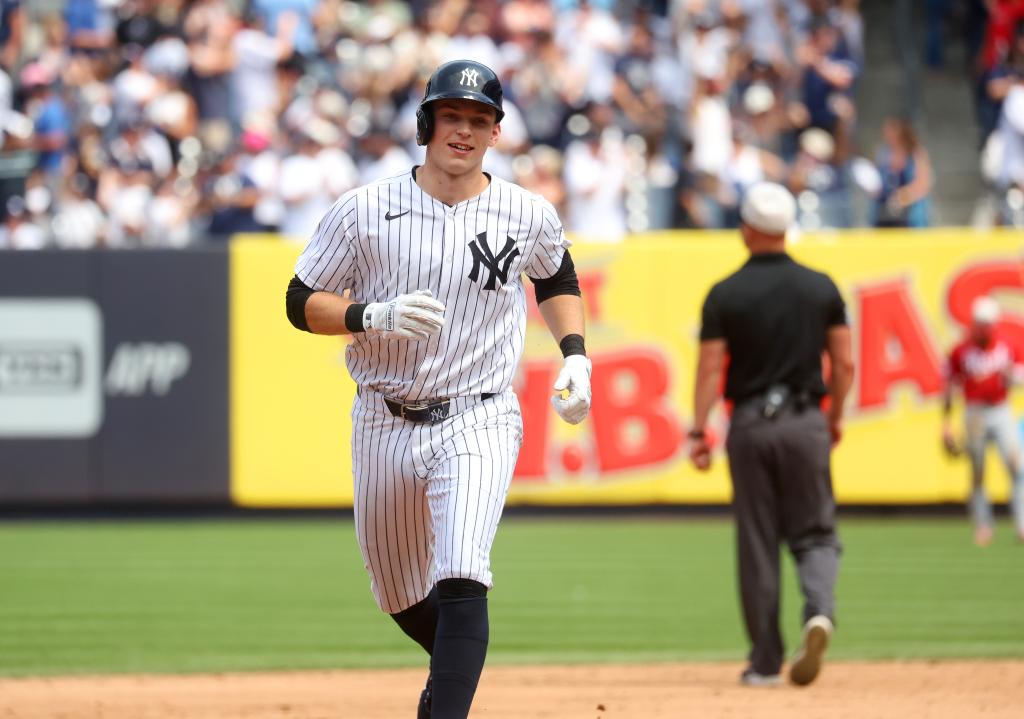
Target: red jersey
x=999 y=34
x=984 y=372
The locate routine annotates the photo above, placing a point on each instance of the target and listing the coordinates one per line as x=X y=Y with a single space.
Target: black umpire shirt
x=774 y=315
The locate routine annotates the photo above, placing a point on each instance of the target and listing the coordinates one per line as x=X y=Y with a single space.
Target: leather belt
x=778 y=399
x=424 y=412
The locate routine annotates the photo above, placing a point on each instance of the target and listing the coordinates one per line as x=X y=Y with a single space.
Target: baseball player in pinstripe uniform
x=434 y=260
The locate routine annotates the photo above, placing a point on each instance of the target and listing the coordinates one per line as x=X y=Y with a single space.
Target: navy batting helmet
x=457 y=80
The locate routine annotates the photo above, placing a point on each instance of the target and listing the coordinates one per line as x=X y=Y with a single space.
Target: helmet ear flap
x=424 y=125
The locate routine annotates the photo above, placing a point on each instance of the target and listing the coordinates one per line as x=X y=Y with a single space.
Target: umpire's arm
x=840 y=354
x=710 y=366
x=714 y=348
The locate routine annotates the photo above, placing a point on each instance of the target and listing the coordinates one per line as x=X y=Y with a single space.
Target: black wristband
x=572 y=345
x=696 y=434
x=354 y=318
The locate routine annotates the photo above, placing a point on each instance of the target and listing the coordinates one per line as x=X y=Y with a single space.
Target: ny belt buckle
x=431 y=412
x=439 y=411
x=403 y=408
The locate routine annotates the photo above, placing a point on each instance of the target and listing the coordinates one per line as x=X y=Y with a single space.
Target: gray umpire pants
x=782 y=491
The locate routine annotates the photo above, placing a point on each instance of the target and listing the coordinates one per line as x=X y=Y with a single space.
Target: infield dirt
x=861 y=690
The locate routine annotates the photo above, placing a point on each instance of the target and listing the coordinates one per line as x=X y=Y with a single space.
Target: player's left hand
x=574 y=378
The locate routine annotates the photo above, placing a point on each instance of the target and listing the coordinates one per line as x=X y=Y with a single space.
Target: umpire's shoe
x=807 y=662
x=423 y=711
x=751 y=678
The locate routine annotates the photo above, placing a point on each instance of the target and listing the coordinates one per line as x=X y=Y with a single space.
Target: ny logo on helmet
x=470 y=77
x=498 y=265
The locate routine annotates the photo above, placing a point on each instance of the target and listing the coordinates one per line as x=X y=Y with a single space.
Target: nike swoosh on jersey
x=388 y=216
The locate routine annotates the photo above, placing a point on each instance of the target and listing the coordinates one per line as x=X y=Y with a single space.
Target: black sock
x=460 y=647
x=420 y=620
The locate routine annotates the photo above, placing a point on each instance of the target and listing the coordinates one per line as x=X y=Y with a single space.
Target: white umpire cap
x=985 y=310
x=769 y=208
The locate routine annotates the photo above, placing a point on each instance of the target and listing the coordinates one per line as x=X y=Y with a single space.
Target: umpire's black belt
x=428 y=412
x=777 y=400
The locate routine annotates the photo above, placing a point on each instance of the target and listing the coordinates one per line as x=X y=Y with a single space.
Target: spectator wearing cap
x=18 y=232
x=50 y=117
x=773 y=318
x=79 y=223
x=137 y=158
x=904 y=200
x=819 y=178
x=232 y=196
x=260 y=162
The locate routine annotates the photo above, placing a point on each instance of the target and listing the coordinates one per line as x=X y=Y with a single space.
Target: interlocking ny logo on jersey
x=470 y=77
x=482 y=255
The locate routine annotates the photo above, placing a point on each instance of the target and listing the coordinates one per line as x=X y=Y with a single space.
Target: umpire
x=770 y=322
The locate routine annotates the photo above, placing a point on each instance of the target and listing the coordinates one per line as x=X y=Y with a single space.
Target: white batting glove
x=407 y=317
x=574 y=377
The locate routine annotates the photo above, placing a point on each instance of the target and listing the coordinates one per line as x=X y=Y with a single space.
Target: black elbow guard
x=295 y=303
x=563 y=282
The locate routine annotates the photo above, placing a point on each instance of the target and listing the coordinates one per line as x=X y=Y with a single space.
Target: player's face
x=981 y=332
x=463 y=130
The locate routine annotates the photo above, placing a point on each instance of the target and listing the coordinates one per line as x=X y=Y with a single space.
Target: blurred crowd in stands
x=162 y=123
x=997 y=54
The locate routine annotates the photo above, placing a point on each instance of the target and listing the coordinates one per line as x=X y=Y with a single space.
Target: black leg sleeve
x=420 y=620
x=459 y=648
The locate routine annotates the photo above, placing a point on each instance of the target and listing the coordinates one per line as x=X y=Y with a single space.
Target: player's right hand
x=949 y=444
x=700 y=454
x=416 y=316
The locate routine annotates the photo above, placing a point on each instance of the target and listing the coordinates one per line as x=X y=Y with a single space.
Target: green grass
x=199 y=595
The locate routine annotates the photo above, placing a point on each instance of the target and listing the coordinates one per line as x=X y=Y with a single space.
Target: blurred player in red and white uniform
x=984 y=367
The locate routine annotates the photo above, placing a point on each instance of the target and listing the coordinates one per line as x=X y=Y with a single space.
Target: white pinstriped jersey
x=390 y=238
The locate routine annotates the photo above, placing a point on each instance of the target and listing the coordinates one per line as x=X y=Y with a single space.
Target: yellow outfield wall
x=908 y=296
